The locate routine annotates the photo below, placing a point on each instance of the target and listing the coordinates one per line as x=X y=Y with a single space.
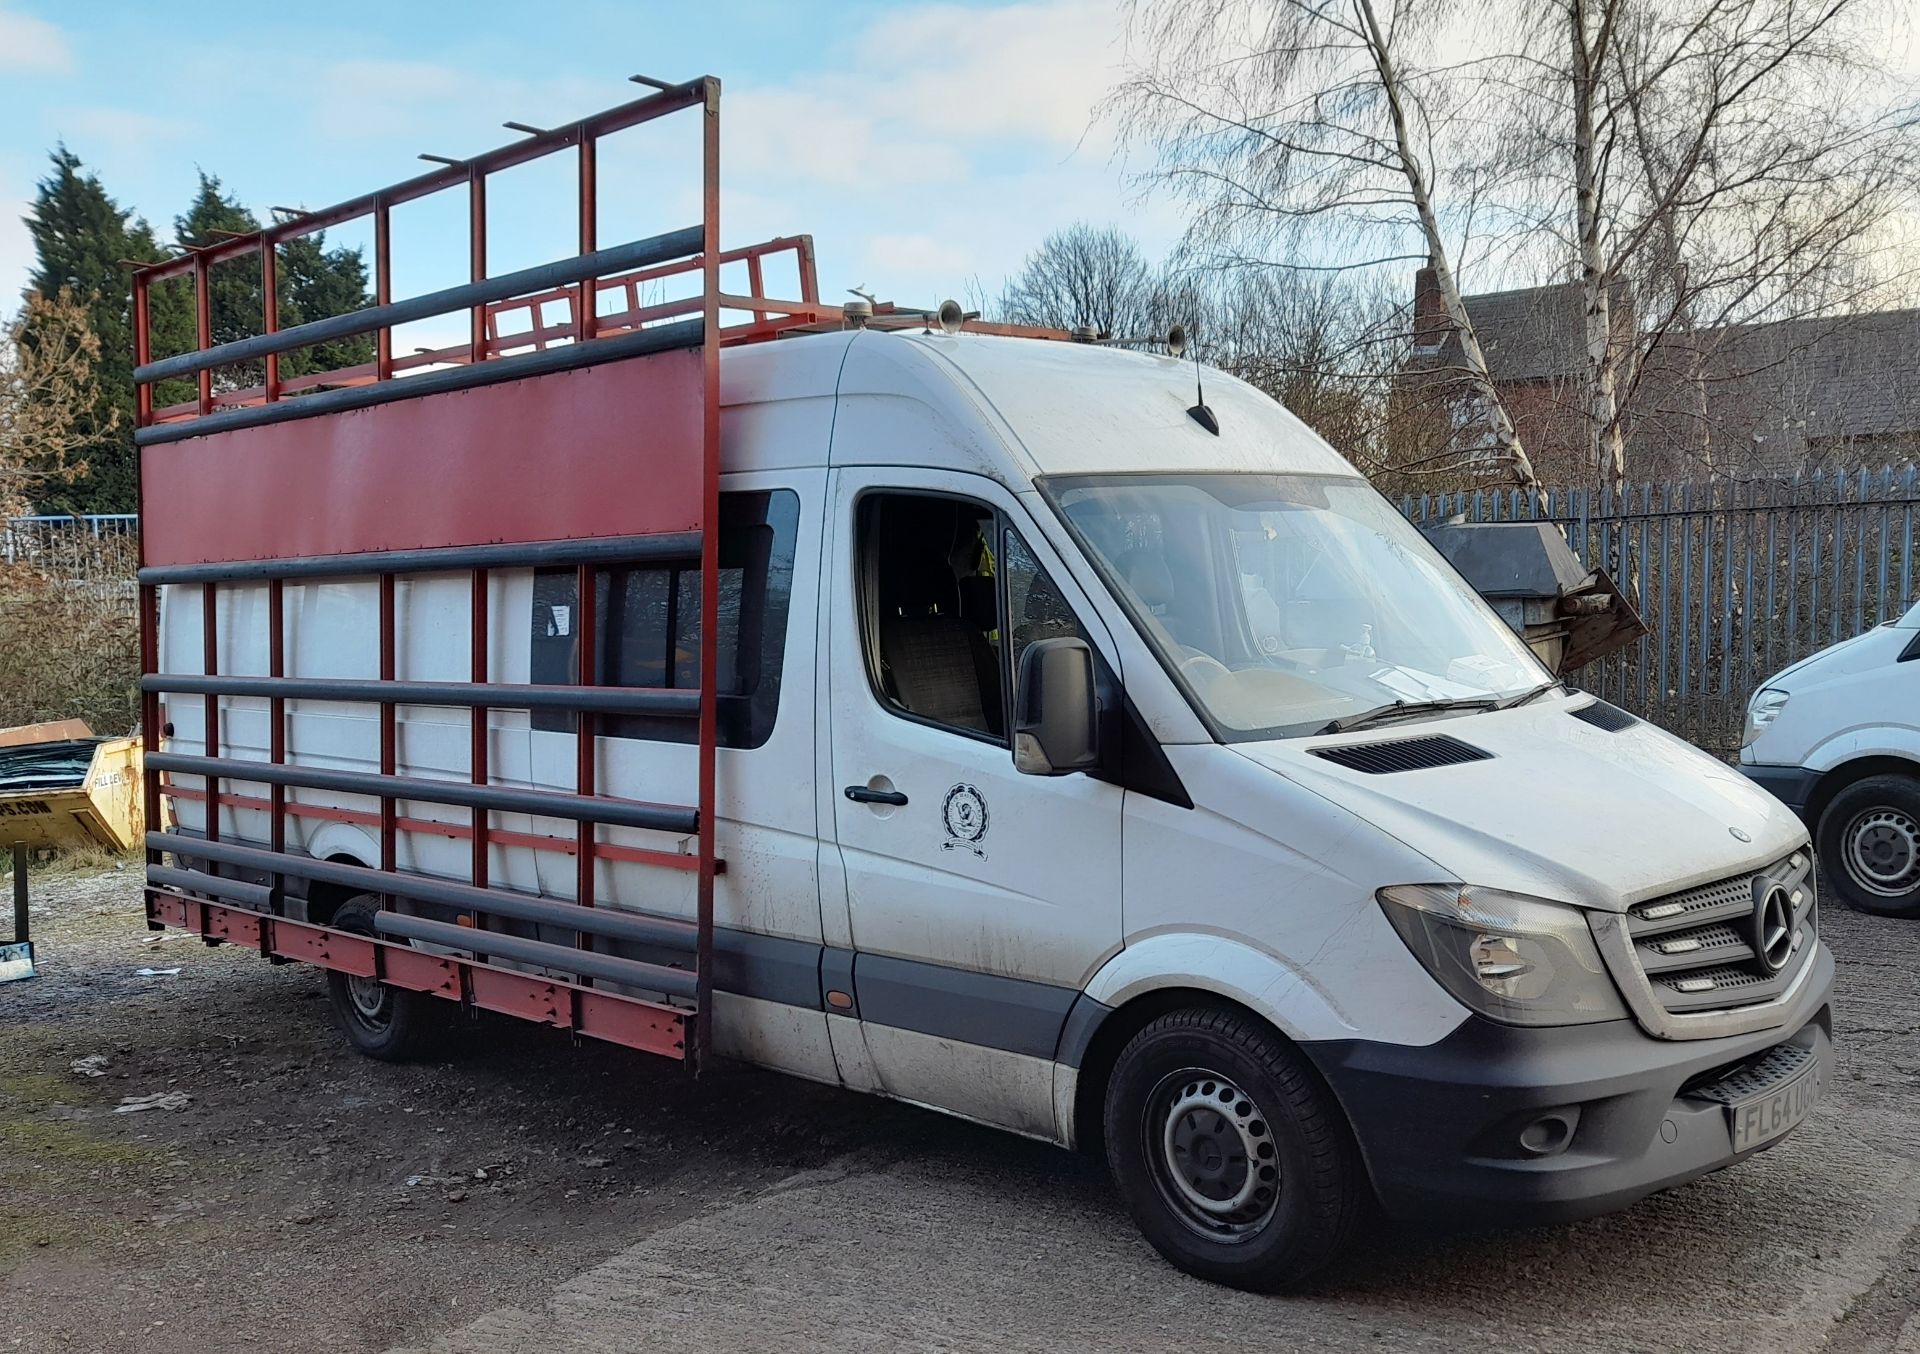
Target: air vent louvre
x=1604 y=716
x=1402 y=754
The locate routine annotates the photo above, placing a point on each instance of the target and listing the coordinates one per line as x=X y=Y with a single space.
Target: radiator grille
x=1695 y=949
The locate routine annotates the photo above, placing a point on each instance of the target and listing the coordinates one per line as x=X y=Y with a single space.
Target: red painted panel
x=612 y=450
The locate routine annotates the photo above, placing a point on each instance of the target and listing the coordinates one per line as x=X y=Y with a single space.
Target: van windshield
x=1285 y=603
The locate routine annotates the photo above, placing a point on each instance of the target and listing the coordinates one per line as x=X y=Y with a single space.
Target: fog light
x=1548 y=1134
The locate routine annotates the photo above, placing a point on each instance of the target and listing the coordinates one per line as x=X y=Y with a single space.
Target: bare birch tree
x=1727 y=161
x=1309 y=127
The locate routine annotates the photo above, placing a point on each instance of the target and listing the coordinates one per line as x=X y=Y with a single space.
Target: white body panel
x=1262 y=892
x=1854 y=700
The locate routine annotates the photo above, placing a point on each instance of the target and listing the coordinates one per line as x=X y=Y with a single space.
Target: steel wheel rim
x=372 y=1002
x=1212 y=1156
x=1881 y=851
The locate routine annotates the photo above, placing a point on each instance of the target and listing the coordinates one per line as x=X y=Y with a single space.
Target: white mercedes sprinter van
x=1837 y=737
x=1131 y=777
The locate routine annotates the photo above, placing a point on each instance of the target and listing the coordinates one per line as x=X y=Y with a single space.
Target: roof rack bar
x=666 y=702
x=690 y=94
x=674 y=244
x=507 y=696
x=494 y=798
x=683 y=334
x=679 y=545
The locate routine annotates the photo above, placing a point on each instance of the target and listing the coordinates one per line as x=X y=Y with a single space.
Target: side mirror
x=1054 y=716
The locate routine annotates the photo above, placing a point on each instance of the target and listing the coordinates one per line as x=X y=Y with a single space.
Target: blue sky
x=922 y=144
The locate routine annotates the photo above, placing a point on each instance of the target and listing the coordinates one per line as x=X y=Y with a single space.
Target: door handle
x=861 y=794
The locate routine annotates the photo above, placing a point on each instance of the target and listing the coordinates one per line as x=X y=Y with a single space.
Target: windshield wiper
x=1397 y=709
x=1509 y=702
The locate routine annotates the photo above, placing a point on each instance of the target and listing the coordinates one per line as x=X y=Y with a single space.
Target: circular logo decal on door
x=964 y=815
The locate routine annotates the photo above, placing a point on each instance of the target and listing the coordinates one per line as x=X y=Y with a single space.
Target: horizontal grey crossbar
x=668 y=545
x=603 y=700
x=584 y=963
x=674 y=244
x=257 y=896
x=656 y=339
x=494 y=798
x=614 y=924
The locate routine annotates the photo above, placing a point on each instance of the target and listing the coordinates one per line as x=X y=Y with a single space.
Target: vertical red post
x=150 y=720
x=149 y=596
x=709 y=564
x=203 y=324
x=389 y=741
x=477 y=258
x=587 y=628
x=756 y=285
x=585 y=314
x=270 y=311
x=210 y=665
x=277 y=712
x=809 y=272
x=382 y=288
x=477 y=753
x=142 y=352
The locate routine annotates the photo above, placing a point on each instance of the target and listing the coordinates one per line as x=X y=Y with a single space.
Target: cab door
x=977 y=899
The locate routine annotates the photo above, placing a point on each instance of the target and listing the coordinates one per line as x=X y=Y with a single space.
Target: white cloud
x=32 y=45
x=924 y=255
x=119 y=130
x=16 y=246
x=1031 y=71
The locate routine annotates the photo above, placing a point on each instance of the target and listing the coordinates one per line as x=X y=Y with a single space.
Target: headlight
x=1525 y=961
x=1762 y=710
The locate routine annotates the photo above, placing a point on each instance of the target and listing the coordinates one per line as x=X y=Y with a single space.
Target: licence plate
x=1768 y=1116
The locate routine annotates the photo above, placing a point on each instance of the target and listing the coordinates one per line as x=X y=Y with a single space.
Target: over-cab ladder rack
x=217 y=476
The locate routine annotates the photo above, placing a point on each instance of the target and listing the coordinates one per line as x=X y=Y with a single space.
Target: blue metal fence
x=1735 y=579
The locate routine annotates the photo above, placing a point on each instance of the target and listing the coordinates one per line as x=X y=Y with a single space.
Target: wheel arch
x=1838 y=778
x=1116 y=1030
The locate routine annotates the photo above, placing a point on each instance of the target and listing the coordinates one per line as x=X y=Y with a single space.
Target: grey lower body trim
x=1791 y=785
x=1076 y=1036
x=1010 y=1014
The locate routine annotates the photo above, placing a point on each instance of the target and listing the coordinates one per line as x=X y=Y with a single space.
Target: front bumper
x=1441 y=1128
x=1791 y=785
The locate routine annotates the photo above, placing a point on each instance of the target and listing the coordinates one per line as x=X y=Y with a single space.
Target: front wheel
x=1229 y=1152
x=383 y=1022
x=1870 y=844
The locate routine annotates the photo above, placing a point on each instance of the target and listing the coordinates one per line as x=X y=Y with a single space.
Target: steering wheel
x=1196 y=663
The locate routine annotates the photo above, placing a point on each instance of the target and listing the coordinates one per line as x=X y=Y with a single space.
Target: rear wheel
x=1231 y=1155
x=1870 y=843
x=381 y=1021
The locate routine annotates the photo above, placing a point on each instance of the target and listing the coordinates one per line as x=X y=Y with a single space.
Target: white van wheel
x=1229 y=1151
x=388 y=1023
x=1870 y=840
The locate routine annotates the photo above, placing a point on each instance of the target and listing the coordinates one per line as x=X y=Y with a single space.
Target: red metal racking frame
x=216 y=469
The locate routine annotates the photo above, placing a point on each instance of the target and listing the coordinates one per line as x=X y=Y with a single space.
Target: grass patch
x=75 y=861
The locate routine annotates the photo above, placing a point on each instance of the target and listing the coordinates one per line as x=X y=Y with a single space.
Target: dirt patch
x=303 y=1197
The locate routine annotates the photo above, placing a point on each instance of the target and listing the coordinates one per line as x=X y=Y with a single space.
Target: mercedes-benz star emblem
x=1772 y=926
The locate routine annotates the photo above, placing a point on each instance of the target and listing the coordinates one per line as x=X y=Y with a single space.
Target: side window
x=649 y=627
x=1035 y=607
x=930 y=610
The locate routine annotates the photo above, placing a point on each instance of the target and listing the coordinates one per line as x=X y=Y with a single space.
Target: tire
x=1270 y=1184
x=1870 y=844
x=381 y=1021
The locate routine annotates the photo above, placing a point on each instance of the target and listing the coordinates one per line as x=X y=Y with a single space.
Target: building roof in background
x=1529 y=333
x=1843 y=376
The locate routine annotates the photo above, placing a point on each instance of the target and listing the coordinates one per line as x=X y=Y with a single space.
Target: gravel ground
x=527 y=1196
